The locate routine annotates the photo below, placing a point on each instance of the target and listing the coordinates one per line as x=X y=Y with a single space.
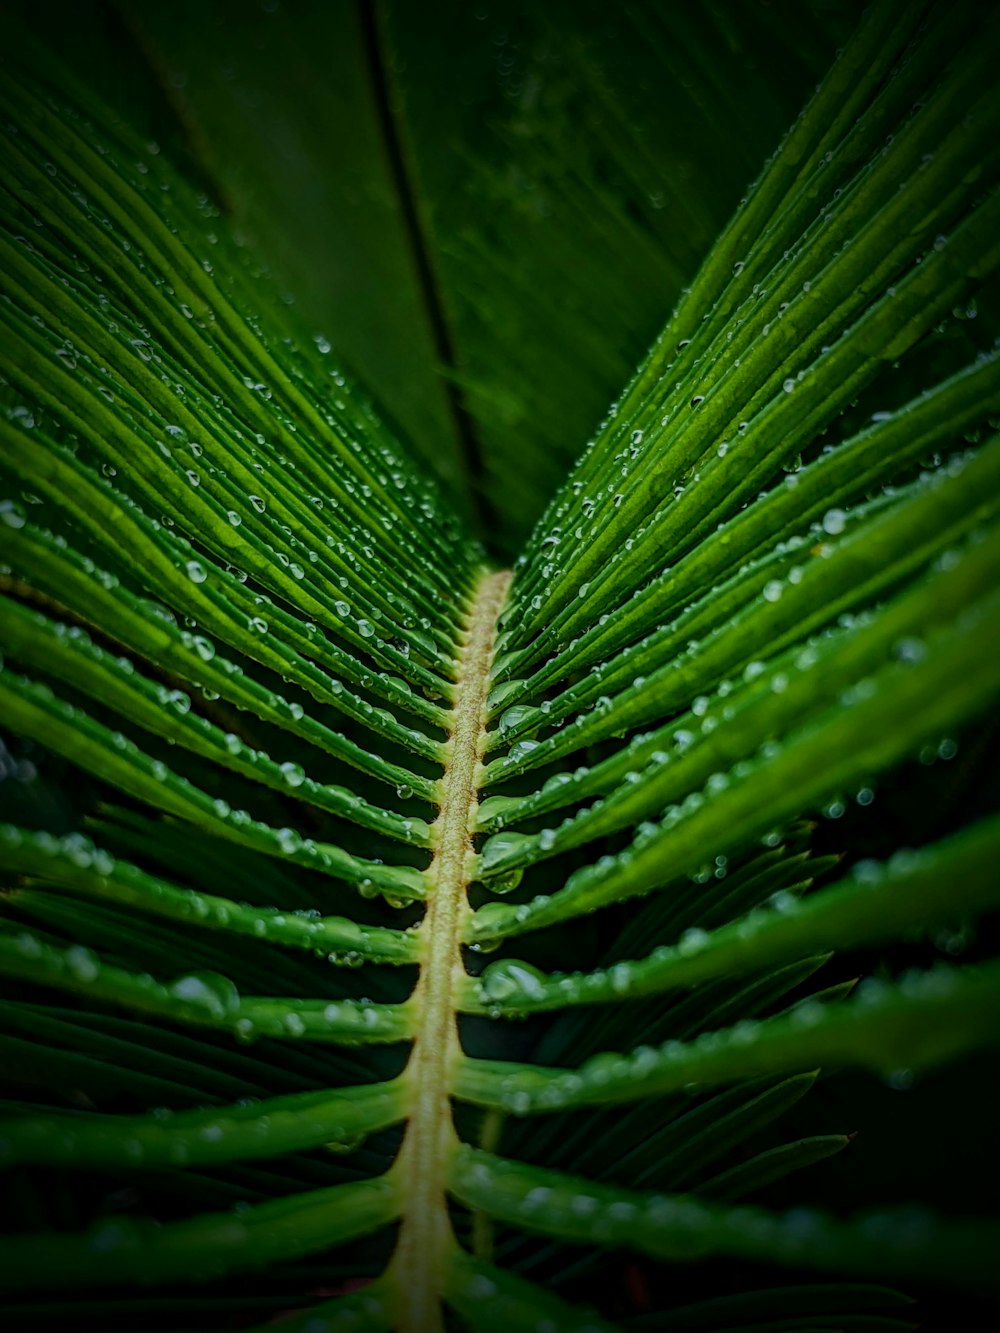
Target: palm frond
x=317 y=757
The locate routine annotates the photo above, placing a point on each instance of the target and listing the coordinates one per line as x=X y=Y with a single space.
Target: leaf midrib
x=420 y=1263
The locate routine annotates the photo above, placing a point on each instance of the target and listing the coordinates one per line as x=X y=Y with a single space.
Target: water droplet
x=288 y=840
x=520 y=750
x=82 y=964
x=692 y=941
x=209 y=991
x=511 y=979
x=10 y=515
x=514 y=716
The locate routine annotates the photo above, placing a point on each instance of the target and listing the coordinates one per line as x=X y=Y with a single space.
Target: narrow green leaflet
x=68 y=654
x=920 y=1021
x=762 y=702
x=876 y=902
x=200 y=997
x=192 y=1138
x=493 y=1300
x=150 y=629
x=681 y=1228
x=75 y=862
x=122 y=1250
x=769 y=1166
x=34 y=711
x=820 y=491
x=809 y=767
x=773 y=603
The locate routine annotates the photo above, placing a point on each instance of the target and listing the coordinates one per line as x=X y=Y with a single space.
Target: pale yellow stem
x=418 y=1268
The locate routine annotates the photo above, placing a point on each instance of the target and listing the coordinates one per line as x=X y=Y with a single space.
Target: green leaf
x=876 y=902
x=924 y=1019
x=277 y=733
x=681 y=1228
x=262 y=1129
x=122 y=1250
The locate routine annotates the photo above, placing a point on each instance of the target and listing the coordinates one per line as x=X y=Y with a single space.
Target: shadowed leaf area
x=499 y=609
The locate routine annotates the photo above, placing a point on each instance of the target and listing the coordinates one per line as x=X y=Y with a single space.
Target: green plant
x=331 y=757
